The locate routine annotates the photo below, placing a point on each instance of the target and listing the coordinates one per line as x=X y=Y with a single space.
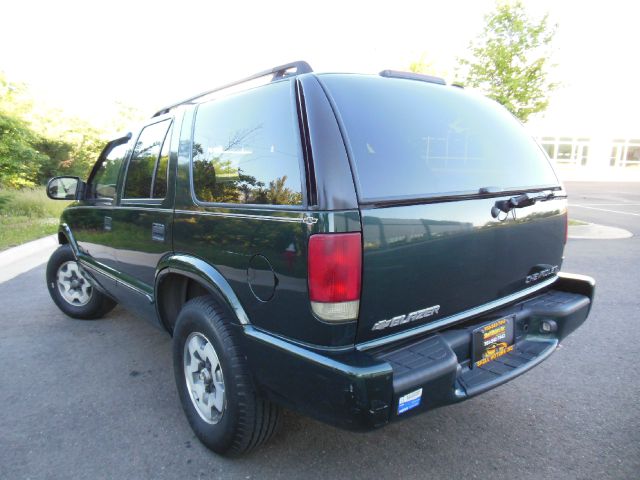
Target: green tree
x=428 y=66
x=422 y=65
x=19 y=158
x=14 y=97
x=510 y=60
x=38 y=143
x=29 y=153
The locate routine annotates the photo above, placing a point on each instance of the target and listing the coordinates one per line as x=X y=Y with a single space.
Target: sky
x=83 y=57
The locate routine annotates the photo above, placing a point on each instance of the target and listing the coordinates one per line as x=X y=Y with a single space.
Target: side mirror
x=64 y=188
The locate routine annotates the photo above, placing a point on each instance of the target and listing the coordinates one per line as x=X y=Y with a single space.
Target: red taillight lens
x=335 y=269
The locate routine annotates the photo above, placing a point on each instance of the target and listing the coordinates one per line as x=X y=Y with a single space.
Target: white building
x=588 y=139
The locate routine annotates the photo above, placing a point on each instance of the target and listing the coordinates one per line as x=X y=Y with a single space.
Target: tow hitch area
x=492 y=340
x=465 y=361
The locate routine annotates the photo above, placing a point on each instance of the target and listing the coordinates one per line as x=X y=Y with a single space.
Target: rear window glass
x=246 y=148
x=412 y=139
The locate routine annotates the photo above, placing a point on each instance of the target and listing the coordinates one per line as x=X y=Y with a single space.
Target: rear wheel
x=71 y=290
x=214 y=384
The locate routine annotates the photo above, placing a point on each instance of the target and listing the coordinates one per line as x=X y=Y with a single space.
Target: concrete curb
x=593 y=231
x=23 y=258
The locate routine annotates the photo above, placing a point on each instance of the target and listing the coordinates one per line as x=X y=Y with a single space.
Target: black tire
x=247 y=420
x=98 y=304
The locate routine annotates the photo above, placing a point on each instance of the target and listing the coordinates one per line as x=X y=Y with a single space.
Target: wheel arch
x=181 y=277
x=65 y=237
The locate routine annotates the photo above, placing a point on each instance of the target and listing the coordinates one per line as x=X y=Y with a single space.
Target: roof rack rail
x=412 y=76
x=278 y=73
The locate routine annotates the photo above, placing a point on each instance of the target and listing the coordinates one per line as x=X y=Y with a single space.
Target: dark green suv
x=360 y=248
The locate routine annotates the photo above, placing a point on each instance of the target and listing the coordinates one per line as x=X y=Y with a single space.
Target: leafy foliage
x=427 y=65
x=510 y=60
x=20 y=160
x=422 y=65
x=36 y=145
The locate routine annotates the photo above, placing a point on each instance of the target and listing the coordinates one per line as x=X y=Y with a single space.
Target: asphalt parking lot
x=96 y=399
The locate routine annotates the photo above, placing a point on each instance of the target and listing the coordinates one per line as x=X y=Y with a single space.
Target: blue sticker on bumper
x=409 y=401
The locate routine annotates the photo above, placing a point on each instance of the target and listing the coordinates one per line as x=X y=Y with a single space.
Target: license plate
x=492 y=340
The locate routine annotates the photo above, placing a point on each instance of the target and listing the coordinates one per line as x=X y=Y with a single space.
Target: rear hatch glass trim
x=455 y=196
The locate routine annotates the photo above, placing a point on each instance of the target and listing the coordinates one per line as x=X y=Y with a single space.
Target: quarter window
x=246 y=148
x=144 y=162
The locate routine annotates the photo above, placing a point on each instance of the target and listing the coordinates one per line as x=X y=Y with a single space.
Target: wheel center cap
x=75 y=284
x=205 y=376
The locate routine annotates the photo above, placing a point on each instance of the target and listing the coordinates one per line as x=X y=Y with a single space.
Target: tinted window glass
x=143 y=160
x=160 y=177
x=104 y=182
x=415 y=139
x=245 y=148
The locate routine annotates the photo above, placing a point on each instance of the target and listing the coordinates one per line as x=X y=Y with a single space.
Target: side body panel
x=144 y=237
x=262 y=253
x=87 y=225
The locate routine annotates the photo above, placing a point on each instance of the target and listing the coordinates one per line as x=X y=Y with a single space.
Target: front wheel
x=214 y=384
x=71 y=290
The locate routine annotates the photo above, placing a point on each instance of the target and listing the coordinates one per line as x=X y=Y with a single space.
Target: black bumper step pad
x=420 y=363
x=479 y=379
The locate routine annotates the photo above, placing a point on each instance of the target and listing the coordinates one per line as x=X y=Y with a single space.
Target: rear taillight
x=335 y=269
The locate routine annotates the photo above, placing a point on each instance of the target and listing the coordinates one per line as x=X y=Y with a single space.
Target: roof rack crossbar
x=412 y=76
x=278 y=73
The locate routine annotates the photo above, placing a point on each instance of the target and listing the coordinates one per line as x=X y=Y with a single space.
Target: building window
x=625 y=153
x=566 y=150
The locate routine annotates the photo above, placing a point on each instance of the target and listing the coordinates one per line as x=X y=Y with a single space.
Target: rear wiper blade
x=520 y=201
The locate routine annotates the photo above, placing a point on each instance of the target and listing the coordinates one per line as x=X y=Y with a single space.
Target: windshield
x=412 y=139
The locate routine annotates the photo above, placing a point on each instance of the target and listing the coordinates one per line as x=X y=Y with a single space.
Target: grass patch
x=18 y=230
x=26 y=215
x=32 y=203
x=575 y=223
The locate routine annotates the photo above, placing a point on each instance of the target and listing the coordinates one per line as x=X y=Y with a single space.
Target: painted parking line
x=606 y=210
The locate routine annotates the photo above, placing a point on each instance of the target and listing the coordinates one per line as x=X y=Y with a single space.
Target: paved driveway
x=96 y=399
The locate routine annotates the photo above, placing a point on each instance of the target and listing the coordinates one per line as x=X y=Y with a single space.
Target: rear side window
x=412 y=139
x=246 y=148
x=144 y=163
x=104 y=182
